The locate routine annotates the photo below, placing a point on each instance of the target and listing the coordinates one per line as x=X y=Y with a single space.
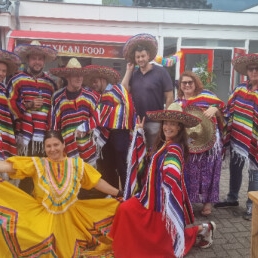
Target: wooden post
x=254 y=236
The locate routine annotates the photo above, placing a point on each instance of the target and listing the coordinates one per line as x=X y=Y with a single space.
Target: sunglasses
x=251 y=69
x=187 y=82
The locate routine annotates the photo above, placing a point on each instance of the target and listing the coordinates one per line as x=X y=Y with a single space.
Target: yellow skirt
x=29 y=230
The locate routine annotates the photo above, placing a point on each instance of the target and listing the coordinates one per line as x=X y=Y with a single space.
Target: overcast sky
x=232 y=5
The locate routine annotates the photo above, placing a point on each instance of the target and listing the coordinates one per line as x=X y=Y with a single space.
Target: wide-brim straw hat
x=73 y=67
x=174 y=113
x=11 y=60
x=241 y=63
x=99 y=71
x=203 y=136
x=143 y=39
x=35 y=48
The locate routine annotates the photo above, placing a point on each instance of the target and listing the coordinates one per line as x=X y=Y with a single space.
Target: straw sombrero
x=174 y=113
x=11 y=60
x=203 y=136
x=98 y=71
x=240 y=63
x=35 y=48
x=73 y=67
x=144 y=39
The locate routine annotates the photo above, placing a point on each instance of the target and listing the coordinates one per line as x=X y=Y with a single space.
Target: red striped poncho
x=116 y=109
x=204 y=100
x=68 y=114
x=242 y=127
x=164 y=189
x=7 y=137
x=30 y=124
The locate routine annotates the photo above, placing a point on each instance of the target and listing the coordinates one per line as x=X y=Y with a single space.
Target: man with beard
x=30 y=95
x=150 y=85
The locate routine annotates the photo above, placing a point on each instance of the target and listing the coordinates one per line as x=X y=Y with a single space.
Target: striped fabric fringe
x=135 y=161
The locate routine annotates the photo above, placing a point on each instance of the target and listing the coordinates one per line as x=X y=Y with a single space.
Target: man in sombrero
x=150 y=85
x=30 y=93
x=116 y=114
x=73 y=109
x=242 y=132
x=9 y=64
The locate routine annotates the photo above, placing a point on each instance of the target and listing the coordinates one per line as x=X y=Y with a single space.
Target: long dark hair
x=52 y=133
x=181 y=138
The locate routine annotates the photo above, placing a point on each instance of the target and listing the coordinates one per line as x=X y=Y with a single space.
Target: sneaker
x=226 y=204
x=208 y=234
x=248 y=214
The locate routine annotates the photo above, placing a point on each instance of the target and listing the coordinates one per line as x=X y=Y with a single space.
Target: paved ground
x=233 y=234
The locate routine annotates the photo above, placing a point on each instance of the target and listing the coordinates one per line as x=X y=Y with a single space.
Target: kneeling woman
x=153 y=222
x=54 y=223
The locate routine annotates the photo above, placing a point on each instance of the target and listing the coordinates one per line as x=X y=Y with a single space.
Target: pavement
x=233 y=235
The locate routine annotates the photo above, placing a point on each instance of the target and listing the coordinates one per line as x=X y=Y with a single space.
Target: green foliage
x=189 y=4
x=206 y=76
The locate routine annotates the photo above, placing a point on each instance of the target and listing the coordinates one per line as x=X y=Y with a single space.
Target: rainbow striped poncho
x=164 y=189
x=242 y=127
x=7 y=137
x=30 y=124
x=115 y=110
x=68 y=114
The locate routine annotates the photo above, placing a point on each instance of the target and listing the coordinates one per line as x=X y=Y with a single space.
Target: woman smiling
x=54 y=223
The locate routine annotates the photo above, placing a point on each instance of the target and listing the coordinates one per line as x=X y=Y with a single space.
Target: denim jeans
x=235 y=181
x=253 y=184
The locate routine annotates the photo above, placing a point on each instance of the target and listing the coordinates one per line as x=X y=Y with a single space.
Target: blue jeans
x=253 y=184
x=235 y=181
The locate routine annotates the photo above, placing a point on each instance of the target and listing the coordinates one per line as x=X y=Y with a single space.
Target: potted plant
x=207 y=77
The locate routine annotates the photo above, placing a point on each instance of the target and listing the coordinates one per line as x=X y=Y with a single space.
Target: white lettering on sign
x=93 y=50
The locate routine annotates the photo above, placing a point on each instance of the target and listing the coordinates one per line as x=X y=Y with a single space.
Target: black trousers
x=113 y=164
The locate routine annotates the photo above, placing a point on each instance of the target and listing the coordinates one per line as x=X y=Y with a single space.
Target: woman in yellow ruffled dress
x=54 y=223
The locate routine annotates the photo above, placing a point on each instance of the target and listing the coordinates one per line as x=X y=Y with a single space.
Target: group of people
x=132 y=141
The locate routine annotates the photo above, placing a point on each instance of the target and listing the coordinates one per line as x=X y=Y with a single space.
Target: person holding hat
x=241 y=137
x=9 y=64
x=30 y=95
x=152 y=222
x=203 y=168
x=73 y=109
x=117 y=115
x=150 y=85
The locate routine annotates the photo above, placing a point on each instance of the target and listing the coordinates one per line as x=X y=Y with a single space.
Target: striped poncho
x=242 y=127
x=7 y=137
x=30 y=124
x=115 y=110
x=204 y=100
x=164 y=189
x=69 y=114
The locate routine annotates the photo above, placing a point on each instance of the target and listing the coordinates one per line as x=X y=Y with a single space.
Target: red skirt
x=141 y=233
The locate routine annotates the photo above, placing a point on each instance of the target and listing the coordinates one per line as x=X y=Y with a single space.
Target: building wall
x=239 y=28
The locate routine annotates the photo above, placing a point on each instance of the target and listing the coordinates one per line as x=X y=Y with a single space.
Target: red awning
x=62 y=36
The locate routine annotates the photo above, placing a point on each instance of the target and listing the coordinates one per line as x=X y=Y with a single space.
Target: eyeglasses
x=251 y=69
x=187 y=82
